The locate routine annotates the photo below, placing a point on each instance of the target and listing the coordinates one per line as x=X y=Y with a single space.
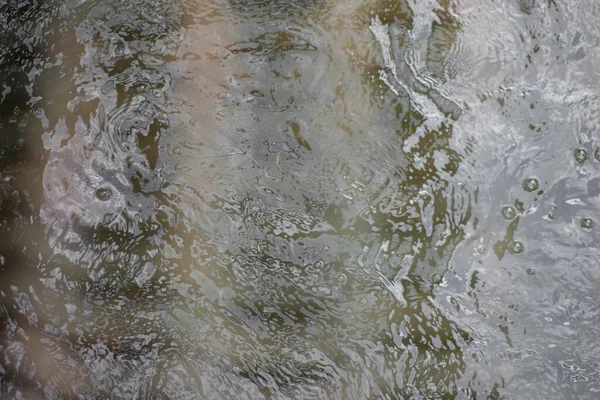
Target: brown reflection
x=133 y=262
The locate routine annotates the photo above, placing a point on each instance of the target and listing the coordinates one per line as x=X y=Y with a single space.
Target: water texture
x=299 y=199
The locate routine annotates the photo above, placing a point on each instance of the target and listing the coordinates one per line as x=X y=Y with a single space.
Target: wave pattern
x=300 y=199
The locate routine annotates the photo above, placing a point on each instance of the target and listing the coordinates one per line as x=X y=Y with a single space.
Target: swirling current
x=299 y=199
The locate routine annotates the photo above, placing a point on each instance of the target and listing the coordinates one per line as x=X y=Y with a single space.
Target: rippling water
x=299 y=199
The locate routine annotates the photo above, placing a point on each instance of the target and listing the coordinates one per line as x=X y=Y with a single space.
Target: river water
x=299 y=199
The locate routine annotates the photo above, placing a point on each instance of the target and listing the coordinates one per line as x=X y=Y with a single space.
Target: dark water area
x=299 y=199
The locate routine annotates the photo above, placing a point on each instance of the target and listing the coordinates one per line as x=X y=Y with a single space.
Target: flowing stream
x=299 y=199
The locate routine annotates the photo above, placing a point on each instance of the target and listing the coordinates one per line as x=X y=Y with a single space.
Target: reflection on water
x=299 y=199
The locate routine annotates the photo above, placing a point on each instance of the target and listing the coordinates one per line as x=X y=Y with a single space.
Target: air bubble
x=586 y=223
x=531 y=184
x=103 y=194
x=407 y=391
x=530 y=271
x=580 y=155
x=177 y=151
x=516 y=247
x=508 y=212
x=142 y=88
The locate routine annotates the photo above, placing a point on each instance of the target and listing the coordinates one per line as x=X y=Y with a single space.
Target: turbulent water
x=298 y=199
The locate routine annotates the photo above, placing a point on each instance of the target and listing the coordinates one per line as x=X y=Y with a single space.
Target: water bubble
x=530 y=184
x=177 y=151
x=586 y=223
x=580 y=155
x=508 y=212
x=597 y=154
x=141 y=88
x=103 y=194
x=362 y=301
x=579 y=378
x=516 y=247
x=407 y=391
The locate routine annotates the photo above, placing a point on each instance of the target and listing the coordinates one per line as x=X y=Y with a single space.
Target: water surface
x=299 y=199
